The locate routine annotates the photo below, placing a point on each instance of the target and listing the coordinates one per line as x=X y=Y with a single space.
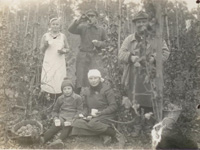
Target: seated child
x=67 y=107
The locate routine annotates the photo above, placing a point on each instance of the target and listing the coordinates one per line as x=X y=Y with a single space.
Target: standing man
x=93 y=38
x=137 y=53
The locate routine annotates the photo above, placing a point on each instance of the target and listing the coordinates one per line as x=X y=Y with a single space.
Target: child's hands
x=81 y=115
x=87 y=118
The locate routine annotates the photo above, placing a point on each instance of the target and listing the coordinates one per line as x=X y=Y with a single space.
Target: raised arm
x=76 y=27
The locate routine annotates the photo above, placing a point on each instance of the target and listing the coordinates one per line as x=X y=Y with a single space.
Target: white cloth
x=54 y=65
x=95 y=73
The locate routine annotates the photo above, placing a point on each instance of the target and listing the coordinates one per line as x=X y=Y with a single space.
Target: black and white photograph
x=100 y=74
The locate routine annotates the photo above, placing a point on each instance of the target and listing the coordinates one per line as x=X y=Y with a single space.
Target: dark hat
x=140 y=15
x=67 y=82
x=91 y=11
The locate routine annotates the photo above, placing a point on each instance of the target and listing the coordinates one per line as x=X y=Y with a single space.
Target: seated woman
x=99 y=105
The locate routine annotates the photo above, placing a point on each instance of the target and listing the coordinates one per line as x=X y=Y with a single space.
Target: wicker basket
x=172 y=114
x=26 y=139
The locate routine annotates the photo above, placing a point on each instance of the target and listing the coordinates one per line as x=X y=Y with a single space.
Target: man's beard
x=142 y=30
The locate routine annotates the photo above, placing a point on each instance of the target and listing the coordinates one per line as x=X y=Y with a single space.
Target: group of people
x=92 y=112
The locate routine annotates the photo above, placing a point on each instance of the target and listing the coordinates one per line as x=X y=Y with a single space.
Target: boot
x=41 y=141
x=106 y=139
x=121 y=140
x=57 y=144
x=137 y=131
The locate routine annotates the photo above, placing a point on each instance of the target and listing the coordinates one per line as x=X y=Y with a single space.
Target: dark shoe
x=41 y=141
x=58 y=144
x=106 y=140
x=121 y=140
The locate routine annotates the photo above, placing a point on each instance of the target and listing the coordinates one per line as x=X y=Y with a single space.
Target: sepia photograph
x=100 y=74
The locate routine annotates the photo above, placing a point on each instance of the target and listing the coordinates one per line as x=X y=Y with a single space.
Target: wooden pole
x=159 y=63
x=28 y=18
x=107 y=8
x=26 y=27
x=177 y=26
x=96 y=5
x=119 y=23
x=167 y=28
x=128 y=19
x=35 y=41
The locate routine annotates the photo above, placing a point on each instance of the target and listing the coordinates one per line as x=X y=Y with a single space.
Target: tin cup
x=94 y=111
x=67 y=123
x=57 y=122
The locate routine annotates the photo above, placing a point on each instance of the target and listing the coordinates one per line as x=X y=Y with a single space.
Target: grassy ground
x=8 y=118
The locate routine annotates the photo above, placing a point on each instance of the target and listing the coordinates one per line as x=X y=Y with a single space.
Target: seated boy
x=67 y=107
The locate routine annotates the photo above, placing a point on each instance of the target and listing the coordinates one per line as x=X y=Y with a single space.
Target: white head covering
x=53 y=19
x=95 y=73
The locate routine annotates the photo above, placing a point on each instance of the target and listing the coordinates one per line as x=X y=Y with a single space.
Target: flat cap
x=91 y=11
x=140 y=15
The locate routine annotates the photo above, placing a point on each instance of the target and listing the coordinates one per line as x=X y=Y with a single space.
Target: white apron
x=54 y=66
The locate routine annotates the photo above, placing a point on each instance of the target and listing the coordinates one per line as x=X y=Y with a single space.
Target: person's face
x=94 y=81
x=67 y=90
x=92 y=17
x=55 y=25
x=141 y=25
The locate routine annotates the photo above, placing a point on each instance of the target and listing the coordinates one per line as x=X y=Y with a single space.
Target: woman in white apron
x=54 y=45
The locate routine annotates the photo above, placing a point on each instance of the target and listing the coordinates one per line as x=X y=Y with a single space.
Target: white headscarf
x=95 y=73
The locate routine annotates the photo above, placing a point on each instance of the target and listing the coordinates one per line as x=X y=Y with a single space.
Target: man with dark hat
x=137 y=53
x=93 y=38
